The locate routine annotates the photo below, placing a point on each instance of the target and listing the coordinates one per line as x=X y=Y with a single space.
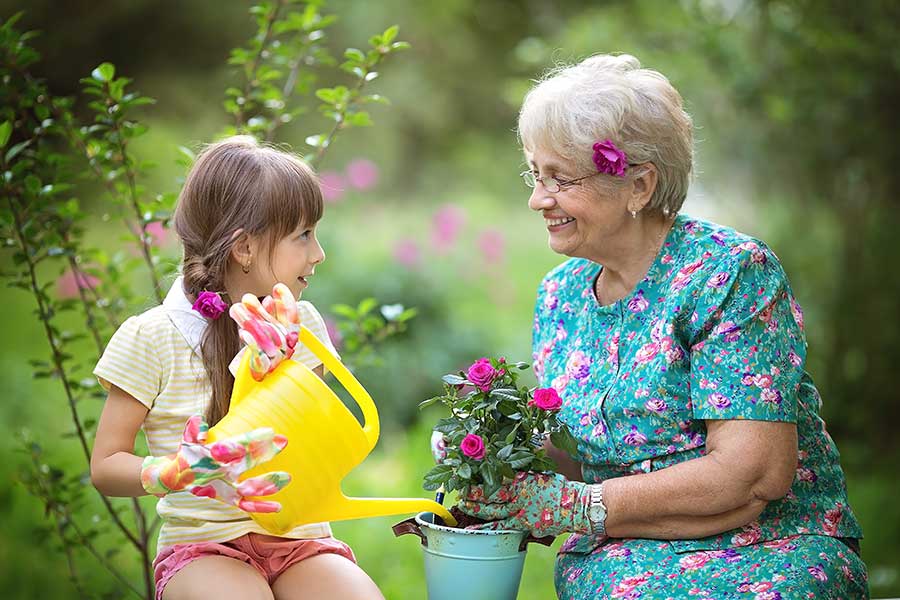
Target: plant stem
x=135 y=205
x=44 y=315
x=338 y=123
x=251 y=73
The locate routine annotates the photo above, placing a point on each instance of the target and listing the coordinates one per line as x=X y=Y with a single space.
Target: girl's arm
x=747 y=464
x=115 y=469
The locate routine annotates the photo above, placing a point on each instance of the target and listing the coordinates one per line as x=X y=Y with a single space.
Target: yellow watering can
x=325 y=441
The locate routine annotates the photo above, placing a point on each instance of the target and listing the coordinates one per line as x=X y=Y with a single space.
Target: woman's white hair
x=612 y=97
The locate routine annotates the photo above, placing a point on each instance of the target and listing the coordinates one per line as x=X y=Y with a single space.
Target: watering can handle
x=350 y=383
x=243 y=383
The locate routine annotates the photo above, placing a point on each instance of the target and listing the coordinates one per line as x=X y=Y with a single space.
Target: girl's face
x=293 y=261
x=581 y=219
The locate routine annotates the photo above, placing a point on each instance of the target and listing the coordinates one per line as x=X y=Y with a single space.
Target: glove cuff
x=581 y=492
x=151 y=475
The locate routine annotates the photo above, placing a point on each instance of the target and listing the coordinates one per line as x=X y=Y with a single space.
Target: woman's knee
x=217 y=577
x=326 y=576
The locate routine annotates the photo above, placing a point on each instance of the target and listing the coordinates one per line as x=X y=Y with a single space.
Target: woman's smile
x=556 y=224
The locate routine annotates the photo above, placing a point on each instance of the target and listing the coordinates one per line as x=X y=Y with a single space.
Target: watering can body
x=325 y=441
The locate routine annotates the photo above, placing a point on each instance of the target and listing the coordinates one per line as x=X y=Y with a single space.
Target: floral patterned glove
x=212 y=470
x=546 y=504
x=270 y=329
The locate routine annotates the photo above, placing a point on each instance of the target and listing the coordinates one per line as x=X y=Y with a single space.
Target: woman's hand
x=212 y=470
x=544 y=504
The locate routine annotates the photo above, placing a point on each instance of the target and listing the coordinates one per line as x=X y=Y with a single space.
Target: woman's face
x=581 y=219
x=292 y=262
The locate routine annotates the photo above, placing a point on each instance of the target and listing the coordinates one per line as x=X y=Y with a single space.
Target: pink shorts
x=270 y=556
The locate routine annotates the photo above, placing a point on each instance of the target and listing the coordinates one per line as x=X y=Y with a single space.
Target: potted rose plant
x=496 y=428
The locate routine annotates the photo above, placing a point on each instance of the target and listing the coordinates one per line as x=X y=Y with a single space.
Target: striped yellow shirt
x=155 y=357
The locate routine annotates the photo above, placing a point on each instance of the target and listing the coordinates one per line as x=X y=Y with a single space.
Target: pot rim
x=457 y=530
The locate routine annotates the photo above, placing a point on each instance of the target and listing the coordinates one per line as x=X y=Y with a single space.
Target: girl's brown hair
x=236 y=186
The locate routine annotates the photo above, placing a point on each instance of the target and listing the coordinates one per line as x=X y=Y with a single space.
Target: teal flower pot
x=469 y=564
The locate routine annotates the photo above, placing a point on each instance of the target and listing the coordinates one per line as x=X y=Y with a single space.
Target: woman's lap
x=797 y=567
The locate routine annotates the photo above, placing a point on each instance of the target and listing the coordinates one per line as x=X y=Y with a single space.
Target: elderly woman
x=703 y=468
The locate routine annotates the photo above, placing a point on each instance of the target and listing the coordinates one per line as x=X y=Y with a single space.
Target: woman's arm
x=747 y=464
x=115 y=469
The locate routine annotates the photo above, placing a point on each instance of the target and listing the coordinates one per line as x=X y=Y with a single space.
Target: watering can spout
x=358 y=508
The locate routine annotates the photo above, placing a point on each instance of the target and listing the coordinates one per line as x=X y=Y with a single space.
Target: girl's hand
x=212 y=470
x=270 y=329
x=544 y=504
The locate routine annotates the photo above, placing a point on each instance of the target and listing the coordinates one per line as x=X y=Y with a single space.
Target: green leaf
x=520 y=459
x=355 y=54
x=448 y=425
x=359 y=119
x=505 y=451
x=429 y=402
x=366 y=305
x=454 y=379
x=437 y=476
x=15 y=149
x=345 y=311
x=389 y=34
x=104 y=72
x=464 y=471
x=564 y=440
x=5 y=132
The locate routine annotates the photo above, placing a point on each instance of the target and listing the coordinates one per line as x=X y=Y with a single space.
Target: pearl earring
x=634 y=214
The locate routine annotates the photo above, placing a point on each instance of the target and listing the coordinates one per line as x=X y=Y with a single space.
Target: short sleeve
x=130 y=363
x=312 y=320
x=748 y=354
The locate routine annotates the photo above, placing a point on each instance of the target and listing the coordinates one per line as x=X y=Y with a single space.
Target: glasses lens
x=528 y=178
x=550 y=184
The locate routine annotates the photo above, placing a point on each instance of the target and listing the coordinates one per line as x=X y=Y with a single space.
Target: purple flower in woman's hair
x=210 y=305
x=609 y=159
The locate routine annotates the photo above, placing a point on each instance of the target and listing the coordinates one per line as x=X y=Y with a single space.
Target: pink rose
x=210 y=305
x=472 y=446
x=546 y=399
x=481 y=374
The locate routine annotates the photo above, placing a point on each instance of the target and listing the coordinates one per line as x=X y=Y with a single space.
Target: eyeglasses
x=551 y=184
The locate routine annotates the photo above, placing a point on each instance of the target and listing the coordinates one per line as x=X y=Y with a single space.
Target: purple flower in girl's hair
x=210 y=305
x=609 y=159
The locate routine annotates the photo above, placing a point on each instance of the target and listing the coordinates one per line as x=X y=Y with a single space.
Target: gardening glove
x=546 y=504
x=269 y=329
x=212 y=470
x=438 y=446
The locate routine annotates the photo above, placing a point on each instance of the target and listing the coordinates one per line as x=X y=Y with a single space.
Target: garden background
x=795 y=110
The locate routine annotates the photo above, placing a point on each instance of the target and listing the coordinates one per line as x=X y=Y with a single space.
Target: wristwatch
x=597 y=510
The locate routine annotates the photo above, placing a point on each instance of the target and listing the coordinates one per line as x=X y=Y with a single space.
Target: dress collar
x=189 y=323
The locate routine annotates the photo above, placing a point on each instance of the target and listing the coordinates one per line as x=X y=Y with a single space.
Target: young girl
x=246 y=217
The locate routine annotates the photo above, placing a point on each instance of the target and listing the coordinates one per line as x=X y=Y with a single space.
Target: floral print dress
x=712 y=332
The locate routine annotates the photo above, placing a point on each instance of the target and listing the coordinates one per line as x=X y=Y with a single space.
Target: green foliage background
x=795 y=106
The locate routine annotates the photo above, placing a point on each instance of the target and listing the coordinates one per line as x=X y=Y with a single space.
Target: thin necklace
x=658 y=248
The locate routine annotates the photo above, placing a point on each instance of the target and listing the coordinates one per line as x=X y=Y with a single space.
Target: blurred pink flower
x=362 y=174
x=334 y=333
x=491 y=243
x=69 y=283
x=406 y=252
x=333 y=186
x=447 y=223
x=157 y=233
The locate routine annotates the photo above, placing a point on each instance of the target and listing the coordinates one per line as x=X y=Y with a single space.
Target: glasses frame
x=531 y=181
